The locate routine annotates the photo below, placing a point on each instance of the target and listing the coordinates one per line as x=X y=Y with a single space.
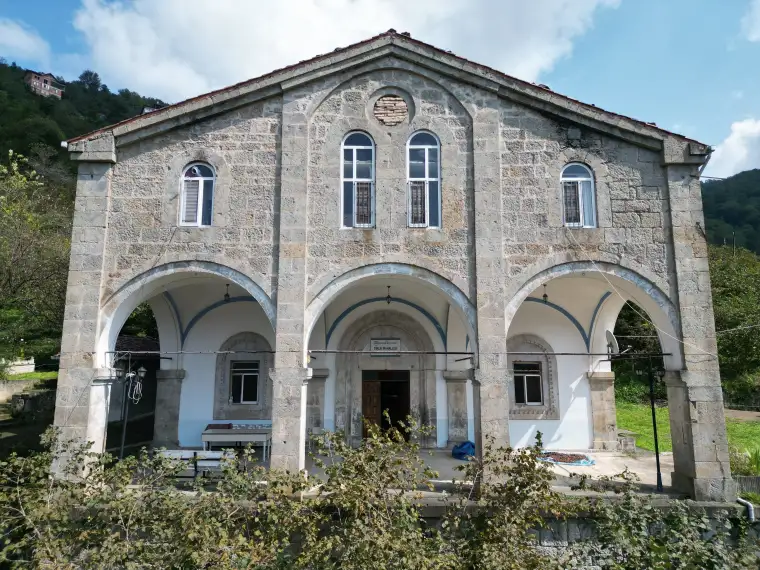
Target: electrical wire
x=596 y=267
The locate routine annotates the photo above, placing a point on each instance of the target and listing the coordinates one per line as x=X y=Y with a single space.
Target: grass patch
x=638 y=418
x=50 y=375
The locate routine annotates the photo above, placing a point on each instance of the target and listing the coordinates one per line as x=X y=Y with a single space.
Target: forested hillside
x=36 y=199
x=733 y=205
x=27 y=119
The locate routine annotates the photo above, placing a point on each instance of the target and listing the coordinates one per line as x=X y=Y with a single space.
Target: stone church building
x=391 y=226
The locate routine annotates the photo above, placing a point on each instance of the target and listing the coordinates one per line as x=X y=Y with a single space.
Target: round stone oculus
x=390 y=110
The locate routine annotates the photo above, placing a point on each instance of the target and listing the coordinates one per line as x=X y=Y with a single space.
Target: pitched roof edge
x=528 y=89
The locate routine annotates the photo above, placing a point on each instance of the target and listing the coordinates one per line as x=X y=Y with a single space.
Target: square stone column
x=491 y=270
x=700 y=444
x=603 y=411
x=695 y=398
x=289 y=376
x=166 y=419
x=82 y=397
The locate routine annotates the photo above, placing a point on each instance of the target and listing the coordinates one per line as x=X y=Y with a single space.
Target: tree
x=35 y=226
x=90 y=80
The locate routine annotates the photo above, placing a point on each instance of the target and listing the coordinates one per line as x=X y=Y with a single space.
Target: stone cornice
x=676 y=148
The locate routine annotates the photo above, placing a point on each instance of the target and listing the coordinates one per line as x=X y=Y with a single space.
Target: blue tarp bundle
x=463 y=450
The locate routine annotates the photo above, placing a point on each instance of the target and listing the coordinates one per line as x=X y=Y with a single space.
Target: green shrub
x=751 y=497
x=365 y=512
x=744 y=463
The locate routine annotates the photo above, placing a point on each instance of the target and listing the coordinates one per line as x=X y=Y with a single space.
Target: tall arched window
x=579 y=208
x=424 y=181
x=197 y=201
x=358 y=181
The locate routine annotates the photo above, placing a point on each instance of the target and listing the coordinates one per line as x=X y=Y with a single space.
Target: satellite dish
x=612 y=343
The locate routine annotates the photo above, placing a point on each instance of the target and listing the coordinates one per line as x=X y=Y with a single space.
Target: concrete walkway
x=744 y=415
x=607 y=463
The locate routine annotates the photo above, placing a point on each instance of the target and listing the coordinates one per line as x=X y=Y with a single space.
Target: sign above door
x=385 y=346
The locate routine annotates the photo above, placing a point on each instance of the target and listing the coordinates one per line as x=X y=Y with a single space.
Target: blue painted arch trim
x=596 y=312
x=355 y=306
x=567 y=314
x=586 y=336
x=205 y=311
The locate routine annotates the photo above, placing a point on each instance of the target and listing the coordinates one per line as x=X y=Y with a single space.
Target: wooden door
x=371 y=409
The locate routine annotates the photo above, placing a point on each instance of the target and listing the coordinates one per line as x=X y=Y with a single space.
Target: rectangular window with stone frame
x=244 y=382
x=528 y=383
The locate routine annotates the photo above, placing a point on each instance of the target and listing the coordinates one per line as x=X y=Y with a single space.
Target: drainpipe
x=750 y=509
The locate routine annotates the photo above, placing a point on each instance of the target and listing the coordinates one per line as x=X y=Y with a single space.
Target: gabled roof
x=402 y=45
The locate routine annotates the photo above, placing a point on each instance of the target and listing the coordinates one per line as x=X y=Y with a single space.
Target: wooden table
x=239 y=436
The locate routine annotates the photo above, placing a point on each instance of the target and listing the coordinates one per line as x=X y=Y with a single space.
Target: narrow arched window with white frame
x=424 y=180
x=197 y=195
x=358 y=181
x=578 y=203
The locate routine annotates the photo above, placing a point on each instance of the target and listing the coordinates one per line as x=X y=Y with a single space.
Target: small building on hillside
x=44 y=83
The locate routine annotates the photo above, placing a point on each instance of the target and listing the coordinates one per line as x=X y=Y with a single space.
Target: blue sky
x=688 y=65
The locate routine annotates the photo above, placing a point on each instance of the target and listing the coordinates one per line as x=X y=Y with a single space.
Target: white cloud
x=18 y=41
x=740 y=151
x=175 y=49
x=751 y=22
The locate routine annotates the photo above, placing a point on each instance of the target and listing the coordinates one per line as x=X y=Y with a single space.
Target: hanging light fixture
x=545 y=296
x=227 y=294
x=388 y=298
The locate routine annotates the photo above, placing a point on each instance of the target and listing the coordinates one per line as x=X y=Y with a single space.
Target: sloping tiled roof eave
x=510 y=87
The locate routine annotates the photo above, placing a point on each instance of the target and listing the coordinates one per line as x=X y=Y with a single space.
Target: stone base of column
x=166 y=420
x=603 y=411
x=456 y=398
x=700 y=444
x=493 y=404
x=289 y=386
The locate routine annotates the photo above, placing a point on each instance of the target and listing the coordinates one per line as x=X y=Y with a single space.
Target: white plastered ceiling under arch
x=418 y=300
x=579 y=308
x=193 y=319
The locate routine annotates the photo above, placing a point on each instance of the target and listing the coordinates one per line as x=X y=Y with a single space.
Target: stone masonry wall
x=243 y=147
x=332 y=250
x=631 y=200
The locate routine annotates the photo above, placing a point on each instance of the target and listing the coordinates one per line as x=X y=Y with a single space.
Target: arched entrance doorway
x=387 y=334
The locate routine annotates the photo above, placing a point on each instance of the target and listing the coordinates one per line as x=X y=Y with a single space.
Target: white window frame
x=243 y=375
x=426 y=180
x=198 y=223
x=354 y=180
x=525 y=375
x=590 y=179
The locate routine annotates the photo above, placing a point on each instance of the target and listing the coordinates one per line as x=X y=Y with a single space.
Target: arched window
x=197 y=200
x=579 y=208
x=358 y=177
x=424 y=181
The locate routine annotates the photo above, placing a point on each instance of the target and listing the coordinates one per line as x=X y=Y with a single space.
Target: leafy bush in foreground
x=368 y=510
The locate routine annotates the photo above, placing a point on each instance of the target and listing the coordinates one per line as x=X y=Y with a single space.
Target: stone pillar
x=456 y=388
x=695 y=399
x=289 y=376
x=315 y=398
x=603 y=411
x=492 y=373
x=81 y=408
x=166 y=420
